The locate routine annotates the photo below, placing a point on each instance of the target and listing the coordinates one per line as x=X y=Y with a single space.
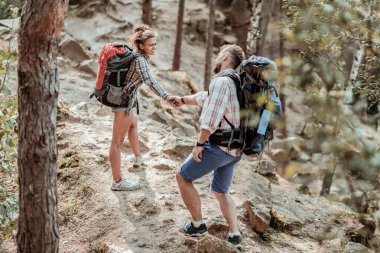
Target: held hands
x=174 y=101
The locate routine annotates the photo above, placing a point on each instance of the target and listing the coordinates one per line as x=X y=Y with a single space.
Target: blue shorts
x=213 y=159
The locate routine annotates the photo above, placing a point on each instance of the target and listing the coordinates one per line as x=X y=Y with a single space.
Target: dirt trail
x=95 y=219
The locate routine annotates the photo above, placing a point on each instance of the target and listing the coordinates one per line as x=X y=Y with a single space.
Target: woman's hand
x=174 y=100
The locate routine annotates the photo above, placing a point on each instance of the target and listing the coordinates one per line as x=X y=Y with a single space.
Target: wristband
x=200 y=144
x=183 y=100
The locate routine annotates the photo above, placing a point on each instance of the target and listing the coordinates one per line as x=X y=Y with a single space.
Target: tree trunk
x=178 y=42
x=282 y=85
x=39 y=35
x=147 y=12
x=276 y=38
x=209 y=44
x=265 y=18
x=348 y=96
x=253 y=31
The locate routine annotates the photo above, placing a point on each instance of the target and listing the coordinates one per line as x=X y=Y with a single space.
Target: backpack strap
x=235 y=77
x=229 y=123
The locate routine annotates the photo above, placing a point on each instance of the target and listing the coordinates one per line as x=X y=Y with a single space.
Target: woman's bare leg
x=121 y=125
x=133 y=135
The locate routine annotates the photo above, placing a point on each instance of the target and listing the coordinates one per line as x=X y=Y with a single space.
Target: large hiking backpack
x=260 y=107
x=114 y=62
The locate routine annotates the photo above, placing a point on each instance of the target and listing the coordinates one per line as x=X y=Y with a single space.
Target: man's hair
x=235 y=51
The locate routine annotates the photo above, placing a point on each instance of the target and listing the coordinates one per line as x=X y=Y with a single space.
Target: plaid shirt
x=139 y=73
x=221 y=101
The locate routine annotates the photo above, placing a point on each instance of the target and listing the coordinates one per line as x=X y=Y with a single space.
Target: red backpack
x=114 y=62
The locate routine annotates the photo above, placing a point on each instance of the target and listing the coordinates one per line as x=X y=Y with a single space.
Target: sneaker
x=189 y=229
x=235 y=240
x=124 y=185
x=138 y=161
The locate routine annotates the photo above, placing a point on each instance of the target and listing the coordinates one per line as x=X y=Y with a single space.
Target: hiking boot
x=235 y=240
x=124 y=185
x=137 y=161
x=189 y=229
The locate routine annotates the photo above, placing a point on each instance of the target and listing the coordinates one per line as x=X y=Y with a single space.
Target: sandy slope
x=95 y=219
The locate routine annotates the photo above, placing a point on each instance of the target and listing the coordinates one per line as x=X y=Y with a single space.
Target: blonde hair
x=141 y=33
x=235 y=51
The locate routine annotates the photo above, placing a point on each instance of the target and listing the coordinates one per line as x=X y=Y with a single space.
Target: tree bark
x=253 y=31
x=39 y=35
x=178 y=42
x=348 y=97
x=265 y=18
x=147 y=12
x=209 y=44
x=282 y=85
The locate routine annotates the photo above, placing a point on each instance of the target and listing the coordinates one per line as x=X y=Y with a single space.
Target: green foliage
x=8 y=145
x=325 y=36
x=10 y=8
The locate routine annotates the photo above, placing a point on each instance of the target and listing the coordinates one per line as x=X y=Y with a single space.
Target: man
x=220 y=111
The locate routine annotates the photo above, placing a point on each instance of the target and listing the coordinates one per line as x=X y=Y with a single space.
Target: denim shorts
x=129 y=110
x=213 y=160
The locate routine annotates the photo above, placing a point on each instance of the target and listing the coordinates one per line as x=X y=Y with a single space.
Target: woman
x=125 y=120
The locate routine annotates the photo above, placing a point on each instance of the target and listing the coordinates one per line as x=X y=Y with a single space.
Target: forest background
x=327 y=145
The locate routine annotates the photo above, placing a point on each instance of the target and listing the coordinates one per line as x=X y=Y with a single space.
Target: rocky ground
x=274 y=215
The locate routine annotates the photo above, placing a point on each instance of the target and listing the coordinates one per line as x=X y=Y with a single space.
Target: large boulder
x=89 y=66
x=211 y=244
x=258 y=219
x=73 y=50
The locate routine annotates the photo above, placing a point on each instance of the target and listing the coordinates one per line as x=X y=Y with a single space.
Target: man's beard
x=216 y=68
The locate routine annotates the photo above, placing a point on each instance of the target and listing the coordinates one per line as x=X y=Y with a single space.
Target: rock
x=160 y=116
x=163 y=167
x=184 y=85
x=190 y=241
x=187 y=129
x=271 y=176
x=82 y=106
x=258 y=219
x=264 y=166
x=178 y=148
x=240 y=13
x=218 y=228
x=353 y=247
x=218 y=39
x=168 y=221
x=279 y=155
x=334 y=245
x=87 y=77
x=285 y=144
x=282 y=223
x=196 y=23
x=304 y=189
x=63 y=111
x=62 y=143
x=143 y=147
x=363 y=233
x=89 y=66
x=73 y=50
x=211 y=244
x=10 y=23
x=374 y=243
x=304 y=157
x=317 y=158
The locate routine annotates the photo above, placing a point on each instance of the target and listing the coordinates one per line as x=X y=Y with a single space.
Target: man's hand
x=174 y=100
x=197 y=153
